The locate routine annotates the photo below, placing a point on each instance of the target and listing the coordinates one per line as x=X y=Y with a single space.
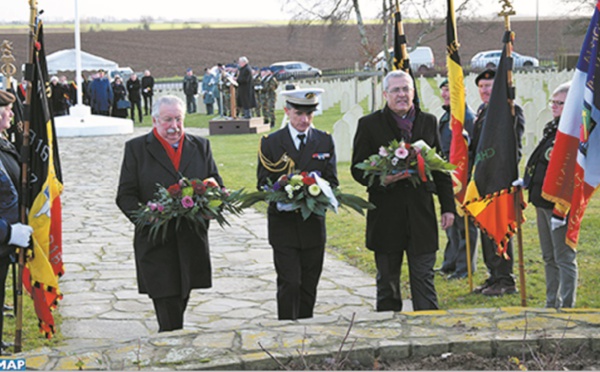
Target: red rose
x=174 y=190
x=304 y=174
x=198 y=187
x=308 y=181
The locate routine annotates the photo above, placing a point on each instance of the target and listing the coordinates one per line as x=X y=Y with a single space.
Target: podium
x=238 y=126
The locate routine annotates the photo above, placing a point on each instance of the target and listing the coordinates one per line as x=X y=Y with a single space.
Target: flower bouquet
x=193 y=200
x=417 y=160
x=307 y=192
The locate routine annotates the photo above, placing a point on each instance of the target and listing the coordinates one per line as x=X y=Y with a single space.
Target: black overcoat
x=403 y=213
x=288 y=228
x=245 y=90
x=182 y=261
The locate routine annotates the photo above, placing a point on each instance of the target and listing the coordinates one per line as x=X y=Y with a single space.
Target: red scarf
x=174 y=154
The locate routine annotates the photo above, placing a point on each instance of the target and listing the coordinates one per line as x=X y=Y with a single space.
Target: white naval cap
x=303 y=99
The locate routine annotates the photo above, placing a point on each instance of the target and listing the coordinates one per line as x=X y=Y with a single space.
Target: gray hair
x=563 y=88
x=397 y=74
x=244 y=59
x=167 y=100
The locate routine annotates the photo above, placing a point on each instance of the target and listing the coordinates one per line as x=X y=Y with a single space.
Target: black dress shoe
x=5 y=345
x=7 y=308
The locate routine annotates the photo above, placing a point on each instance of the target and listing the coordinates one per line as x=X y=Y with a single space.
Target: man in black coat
x=245 y=91
x=134 y=90
x=147 y=91
x=500 y=280
x=167 y=270
x=298 y=245
x=404 y=219
x=190 y=89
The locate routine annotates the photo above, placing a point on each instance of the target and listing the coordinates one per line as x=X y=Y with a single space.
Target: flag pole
x=24 y=175
x=468 y=248
x=507 y=11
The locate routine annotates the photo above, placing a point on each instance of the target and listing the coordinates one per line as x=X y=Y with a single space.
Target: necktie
x=301 y=137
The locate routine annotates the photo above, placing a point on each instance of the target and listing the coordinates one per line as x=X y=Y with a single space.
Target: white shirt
x=294 y=133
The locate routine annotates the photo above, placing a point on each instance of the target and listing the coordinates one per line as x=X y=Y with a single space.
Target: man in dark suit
x=404 y=219
x=298 y=245
x=245 y=91
x=167 y=270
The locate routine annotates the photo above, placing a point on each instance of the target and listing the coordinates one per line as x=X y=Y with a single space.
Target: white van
x=421 y=59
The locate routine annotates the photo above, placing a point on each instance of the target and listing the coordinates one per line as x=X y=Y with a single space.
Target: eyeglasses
x=397 y=90
x=553 y=102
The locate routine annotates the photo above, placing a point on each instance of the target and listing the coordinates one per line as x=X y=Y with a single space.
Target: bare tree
x=146 y=21
x=335 y=12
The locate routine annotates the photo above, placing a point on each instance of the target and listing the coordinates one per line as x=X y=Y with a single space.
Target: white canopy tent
x=65 y=60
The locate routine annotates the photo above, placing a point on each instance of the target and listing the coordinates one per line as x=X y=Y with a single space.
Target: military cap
x=485 y=75
x=444 y=83
x=305 y=99
x=6 y=98
x=265 y=69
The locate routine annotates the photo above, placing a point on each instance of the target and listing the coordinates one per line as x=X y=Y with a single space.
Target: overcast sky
x=225 y=10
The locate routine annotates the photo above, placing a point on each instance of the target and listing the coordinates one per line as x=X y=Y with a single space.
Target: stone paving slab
x=107 y=325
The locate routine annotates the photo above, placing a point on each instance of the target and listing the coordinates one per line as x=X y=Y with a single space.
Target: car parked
x=421 y=59
x=291 y=70
x=491 y=58
x=123 y=72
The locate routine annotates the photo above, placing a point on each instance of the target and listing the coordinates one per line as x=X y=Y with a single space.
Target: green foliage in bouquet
x=192 y=200
x=417 y=159
x=307 y=192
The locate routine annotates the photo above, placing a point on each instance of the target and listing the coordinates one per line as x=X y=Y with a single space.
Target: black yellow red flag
x=459 y=154
x=490 y=196
x=45 y=266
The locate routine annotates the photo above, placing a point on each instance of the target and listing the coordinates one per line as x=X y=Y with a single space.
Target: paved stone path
x=101 y=299
x=108 y=325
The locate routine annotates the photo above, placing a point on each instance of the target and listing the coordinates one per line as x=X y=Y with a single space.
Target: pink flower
x=160 y=207
x=383 y=151
x=401 y=152
x=187 y=202
x=152 y=206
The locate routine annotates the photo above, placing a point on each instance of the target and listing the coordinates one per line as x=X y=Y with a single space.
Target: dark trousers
x=4 y=265
x=499 y=268
x=147 y=105
x=247 y=113
x=169 y=312
x=298 y=273
x=420 y=268
x=191 y=103
x=137 y=104
x=455 y=254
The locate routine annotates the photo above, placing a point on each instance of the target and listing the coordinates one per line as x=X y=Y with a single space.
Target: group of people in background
x=116 y=98
x=254 y=90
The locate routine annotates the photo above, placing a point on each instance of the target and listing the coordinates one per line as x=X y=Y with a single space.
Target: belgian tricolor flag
x=490 y=196
x=459 y=154
x=45 y=266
